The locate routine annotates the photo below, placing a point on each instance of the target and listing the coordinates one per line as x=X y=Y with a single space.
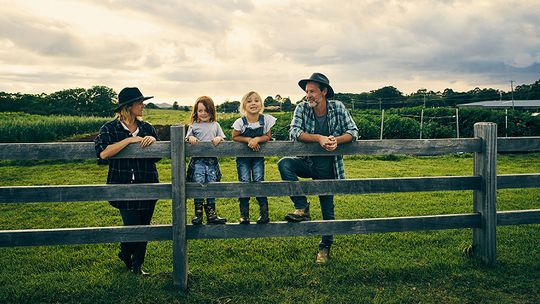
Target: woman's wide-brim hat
x=128 y=96
x=319 y=78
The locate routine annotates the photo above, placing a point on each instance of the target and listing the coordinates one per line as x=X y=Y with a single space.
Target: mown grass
x=415 y=267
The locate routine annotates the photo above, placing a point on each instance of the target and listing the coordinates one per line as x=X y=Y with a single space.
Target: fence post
x=179 y=215
x=485 y=199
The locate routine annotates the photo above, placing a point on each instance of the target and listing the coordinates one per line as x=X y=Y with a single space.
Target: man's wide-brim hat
x=319 y=78
x=128 y=96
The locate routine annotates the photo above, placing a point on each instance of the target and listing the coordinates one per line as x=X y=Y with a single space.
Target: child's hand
x=192 y=140
x=254 y=144
x=217 y=140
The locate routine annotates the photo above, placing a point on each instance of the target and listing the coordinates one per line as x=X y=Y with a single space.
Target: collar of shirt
x=132 y=134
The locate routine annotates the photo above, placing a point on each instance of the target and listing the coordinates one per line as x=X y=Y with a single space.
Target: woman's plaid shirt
x=127 y=170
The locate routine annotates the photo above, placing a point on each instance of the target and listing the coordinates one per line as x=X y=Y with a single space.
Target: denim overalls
x=251 y=169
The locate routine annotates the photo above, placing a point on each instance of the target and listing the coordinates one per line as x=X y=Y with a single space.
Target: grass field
x=415 y=267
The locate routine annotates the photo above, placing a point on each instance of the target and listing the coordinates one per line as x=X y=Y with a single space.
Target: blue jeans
x=250 y=169
x=290 y=168
x=204 y=173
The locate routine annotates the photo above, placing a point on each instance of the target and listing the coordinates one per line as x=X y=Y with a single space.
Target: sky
x=179 y=50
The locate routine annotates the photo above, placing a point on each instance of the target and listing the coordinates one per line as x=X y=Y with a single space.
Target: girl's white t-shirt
x=269 y=122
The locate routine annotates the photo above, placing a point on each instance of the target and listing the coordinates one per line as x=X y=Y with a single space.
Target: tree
x=151 y=105
x=286 y=105
x=229 y=107
x=100 y=101
x=175 y=106
x=388 y=94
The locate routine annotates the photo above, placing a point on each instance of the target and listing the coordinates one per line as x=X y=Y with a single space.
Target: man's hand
x=329 y=143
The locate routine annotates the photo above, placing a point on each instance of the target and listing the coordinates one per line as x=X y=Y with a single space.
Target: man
x=328 y=123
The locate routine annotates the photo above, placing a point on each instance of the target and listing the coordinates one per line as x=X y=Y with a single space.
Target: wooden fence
x=484 y=183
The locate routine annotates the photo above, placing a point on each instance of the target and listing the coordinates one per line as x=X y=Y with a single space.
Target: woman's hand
x=192 y=140
x=217 y=140
x=147 y=141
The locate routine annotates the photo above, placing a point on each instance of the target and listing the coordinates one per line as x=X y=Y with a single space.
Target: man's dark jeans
x=290 y=168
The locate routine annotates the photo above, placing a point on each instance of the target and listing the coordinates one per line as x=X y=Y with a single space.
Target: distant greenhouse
x=502 y=104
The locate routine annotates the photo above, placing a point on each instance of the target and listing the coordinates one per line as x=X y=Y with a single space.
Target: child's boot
x=211 y=215
x=263 y=213
x=244 y=212
x=198 y=218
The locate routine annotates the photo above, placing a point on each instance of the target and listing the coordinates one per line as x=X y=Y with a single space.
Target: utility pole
x=424 y=100
x=512 y=88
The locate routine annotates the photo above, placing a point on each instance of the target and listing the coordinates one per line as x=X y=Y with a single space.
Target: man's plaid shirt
x=339 y=122
x=127 y=170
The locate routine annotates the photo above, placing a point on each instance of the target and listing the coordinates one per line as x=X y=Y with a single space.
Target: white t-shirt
x=269 y=122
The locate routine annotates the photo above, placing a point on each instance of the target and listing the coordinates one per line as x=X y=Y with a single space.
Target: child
x=252 y=128
x=204 y=128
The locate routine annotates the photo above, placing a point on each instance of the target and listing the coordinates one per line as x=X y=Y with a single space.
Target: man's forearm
x=307 y=137
x=345 y=138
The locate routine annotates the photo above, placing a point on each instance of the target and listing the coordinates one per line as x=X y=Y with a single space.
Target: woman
x=113 y=137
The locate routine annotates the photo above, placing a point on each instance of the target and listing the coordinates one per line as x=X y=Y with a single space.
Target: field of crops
x=22 y=127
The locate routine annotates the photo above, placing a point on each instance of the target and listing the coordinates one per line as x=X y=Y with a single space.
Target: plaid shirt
x=339 y=122
x=127 y=170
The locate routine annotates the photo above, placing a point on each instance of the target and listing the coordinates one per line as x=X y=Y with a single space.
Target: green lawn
x=415 y=267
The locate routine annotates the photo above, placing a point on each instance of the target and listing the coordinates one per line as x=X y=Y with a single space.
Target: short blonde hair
x=208 y=103
x=242 y=107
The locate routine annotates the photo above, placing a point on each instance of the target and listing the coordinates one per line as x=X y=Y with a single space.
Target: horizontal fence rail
x=70 y=236
x=328 y=187
x=86 y=193
x=162 y=149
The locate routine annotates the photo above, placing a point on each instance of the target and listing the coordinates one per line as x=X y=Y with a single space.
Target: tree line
x=101 y=100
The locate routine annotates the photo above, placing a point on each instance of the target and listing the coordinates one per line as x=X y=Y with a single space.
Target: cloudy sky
x=178 y=50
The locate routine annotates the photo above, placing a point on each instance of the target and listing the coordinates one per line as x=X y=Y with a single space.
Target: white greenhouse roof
x=504 y=104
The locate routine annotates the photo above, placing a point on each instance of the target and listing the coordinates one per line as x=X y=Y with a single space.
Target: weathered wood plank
x=87 y=235
x=78 y=150
x=84 y=193
x=314 y=228
x=518 y=144
x=179 y=214
x=505 y=181
x=485 y=198
x=518 y=217
x=289 y=148
x=326 y=187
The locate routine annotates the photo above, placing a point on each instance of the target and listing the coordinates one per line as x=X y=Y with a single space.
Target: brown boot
x=323 y=256
x=244 y=213
x=263 y=213
x=198 y=218
x=211 y=215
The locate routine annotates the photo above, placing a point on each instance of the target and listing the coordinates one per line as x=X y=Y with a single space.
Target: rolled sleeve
x=297 y=123
x=348 y=123
x=104 y=138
